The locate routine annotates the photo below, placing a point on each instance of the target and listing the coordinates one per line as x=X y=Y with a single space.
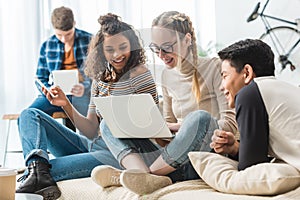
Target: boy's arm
x=253 y=123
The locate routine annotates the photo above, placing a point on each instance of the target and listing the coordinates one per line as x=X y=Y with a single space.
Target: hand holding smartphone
x=40 y=85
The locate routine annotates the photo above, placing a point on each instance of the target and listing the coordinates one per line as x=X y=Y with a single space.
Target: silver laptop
x=132 y=116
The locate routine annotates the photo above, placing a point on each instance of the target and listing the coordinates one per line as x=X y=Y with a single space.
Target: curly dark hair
x=96 y=62
x=253 y=52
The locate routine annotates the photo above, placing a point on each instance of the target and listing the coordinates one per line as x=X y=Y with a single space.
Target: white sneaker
x=106 y=176
x=143 y=183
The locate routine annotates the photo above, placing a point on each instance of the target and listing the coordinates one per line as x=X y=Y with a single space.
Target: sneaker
x=106 y=176
x=143 y=183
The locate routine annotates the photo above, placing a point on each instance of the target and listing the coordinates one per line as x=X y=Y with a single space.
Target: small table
x=27 y=196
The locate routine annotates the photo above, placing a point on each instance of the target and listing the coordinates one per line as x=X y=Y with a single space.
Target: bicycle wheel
x=282 y=39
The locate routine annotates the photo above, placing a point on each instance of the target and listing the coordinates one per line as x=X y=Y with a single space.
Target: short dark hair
x=62 y=18
x=253 y=52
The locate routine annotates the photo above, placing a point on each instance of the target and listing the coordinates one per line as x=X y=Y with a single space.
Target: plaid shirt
x=52 y=54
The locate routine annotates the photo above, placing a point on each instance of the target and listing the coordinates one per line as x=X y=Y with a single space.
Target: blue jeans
x=75 y=155
x=80 y=103
x=194 y=135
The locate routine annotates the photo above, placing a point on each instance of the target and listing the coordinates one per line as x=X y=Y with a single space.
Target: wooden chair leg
x=6 y=141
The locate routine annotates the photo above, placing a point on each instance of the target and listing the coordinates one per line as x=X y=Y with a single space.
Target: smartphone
x=40 y=85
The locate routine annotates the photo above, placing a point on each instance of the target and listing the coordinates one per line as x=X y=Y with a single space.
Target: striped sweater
x=138 y=83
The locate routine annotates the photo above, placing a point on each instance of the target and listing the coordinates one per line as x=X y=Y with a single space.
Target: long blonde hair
x=181 y=23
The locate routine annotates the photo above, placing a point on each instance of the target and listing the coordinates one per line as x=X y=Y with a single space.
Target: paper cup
x=7 y=183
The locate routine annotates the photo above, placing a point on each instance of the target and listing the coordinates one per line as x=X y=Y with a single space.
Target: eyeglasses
x=166 y=48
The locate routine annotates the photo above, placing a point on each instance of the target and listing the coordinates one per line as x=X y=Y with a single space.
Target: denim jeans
x=194 y=135
x=80 y=103
x=75 y=155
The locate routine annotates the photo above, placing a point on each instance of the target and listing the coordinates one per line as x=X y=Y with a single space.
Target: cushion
x=221 y=173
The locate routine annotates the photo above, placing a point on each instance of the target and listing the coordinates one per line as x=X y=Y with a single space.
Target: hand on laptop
x=162 y=142
x=174 y=127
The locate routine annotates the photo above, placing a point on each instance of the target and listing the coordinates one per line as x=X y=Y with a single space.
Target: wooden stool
x=59 y=115
x=11 y=117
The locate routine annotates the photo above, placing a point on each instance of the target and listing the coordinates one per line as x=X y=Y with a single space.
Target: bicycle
x=284 y=40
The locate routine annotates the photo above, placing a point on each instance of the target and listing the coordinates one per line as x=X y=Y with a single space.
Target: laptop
x=132 y=116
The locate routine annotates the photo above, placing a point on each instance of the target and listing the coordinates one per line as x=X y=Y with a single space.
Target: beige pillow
x=262 y=179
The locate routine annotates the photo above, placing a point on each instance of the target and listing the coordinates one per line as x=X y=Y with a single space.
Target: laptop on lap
x=132 y=116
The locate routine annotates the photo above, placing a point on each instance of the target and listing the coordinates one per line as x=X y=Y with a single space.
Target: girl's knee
x=200 y=118
x=199 y=115
x=28 y=113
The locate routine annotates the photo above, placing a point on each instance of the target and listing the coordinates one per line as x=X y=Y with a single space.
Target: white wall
x=231 y=16
x=231 y=25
